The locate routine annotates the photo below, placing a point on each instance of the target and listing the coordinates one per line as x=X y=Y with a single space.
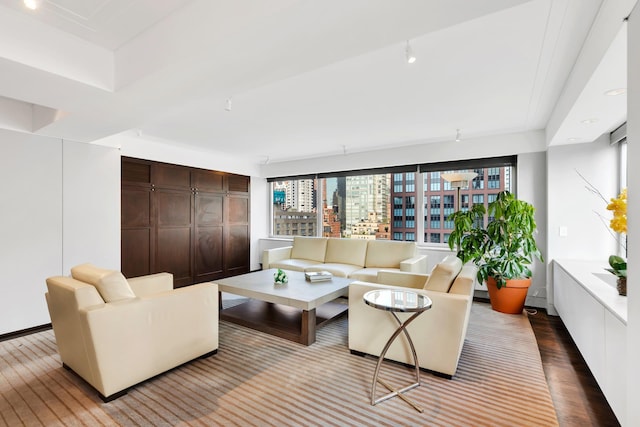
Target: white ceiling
x=305 y=78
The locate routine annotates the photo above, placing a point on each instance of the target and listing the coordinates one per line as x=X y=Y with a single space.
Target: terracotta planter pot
x=509 y=299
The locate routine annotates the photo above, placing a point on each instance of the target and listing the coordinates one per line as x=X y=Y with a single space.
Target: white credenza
x=595 y=315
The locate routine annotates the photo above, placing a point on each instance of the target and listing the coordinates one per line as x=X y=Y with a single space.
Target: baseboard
x=23 y=332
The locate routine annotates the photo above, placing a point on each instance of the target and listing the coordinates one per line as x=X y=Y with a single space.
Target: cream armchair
x=115 y=333
x=438 y=334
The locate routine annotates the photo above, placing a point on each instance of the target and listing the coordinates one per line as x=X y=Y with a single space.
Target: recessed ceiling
x=304 y=78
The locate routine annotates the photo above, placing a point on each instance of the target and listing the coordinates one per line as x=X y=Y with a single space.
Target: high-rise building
x=365 y=194
x=440 y=201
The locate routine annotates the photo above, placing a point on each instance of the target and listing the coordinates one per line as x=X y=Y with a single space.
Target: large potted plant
x=503 y=250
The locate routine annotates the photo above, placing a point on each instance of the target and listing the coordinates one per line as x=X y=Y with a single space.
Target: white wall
x=91 y=206
x=531 y=184
x=31 y=226
x=60 y=206
x=427 y=152
x=260 y=218
x=574 y=209
x=633 y=216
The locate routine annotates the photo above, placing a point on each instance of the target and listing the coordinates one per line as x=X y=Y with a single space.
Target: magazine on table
x=317 y=276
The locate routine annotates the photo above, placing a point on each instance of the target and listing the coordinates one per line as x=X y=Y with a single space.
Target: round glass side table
x=397 y=301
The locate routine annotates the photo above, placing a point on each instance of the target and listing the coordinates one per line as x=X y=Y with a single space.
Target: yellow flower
x=619 y=207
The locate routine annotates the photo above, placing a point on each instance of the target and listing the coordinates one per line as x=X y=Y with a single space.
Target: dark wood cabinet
x=193 y=223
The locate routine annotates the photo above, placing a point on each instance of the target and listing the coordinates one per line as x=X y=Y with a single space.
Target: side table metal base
x=397 y=392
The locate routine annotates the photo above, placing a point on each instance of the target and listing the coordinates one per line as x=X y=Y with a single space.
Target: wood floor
x=576 y=395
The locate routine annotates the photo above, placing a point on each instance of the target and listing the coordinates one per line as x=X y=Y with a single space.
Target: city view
x=380 y=206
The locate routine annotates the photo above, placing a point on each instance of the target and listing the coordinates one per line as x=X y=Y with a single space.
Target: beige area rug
x=259 y=380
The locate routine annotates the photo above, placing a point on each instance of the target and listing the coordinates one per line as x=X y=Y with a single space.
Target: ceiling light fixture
x=616 y=92
x=411 y=58
x=458 y=135
x=589 y=121
x=32 y=4
x=228 y=104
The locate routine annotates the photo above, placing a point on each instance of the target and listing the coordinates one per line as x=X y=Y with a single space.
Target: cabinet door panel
x=173 y=207
x=237 y=249
x=171 y=176
x=209 y=209
x=209 y=253
x=136 y=207
x=238 y=183
x=136 y=252
x=173 y=254
x=238 y=209
x=205 y=180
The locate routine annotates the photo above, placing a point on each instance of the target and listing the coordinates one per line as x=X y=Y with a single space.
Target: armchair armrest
x=151 y=284
x=417 y=264
x=399 y=278
x=276 y=254
x=131 y=340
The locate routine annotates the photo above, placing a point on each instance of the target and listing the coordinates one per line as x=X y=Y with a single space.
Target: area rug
x=259 y=380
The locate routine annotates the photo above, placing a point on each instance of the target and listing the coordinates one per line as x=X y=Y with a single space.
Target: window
x=385 y=205
x=397 y=182
x=294 y=207
x=493 y=178
x=435 y=181
x=410 y=183
x=410 y=211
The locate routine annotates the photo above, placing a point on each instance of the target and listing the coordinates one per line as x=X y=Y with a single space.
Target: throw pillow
x=443 y=274
x=114 y=287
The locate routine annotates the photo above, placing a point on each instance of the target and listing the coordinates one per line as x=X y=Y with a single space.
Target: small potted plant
x=619 y=269
x=280 y=277
x=503 y=250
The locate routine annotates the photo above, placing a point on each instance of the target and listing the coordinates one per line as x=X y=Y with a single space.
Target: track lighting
x=411 y=58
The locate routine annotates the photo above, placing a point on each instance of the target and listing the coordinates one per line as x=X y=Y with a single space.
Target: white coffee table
x=293 y=311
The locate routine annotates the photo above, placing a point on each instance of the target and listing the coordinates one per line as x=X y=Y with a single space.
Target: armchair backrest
x=464 y=282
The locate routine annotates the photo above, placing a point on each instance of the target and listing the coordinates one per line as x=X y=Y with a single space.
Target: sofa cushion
x=443 y=274
x=311 y=248
x=369 y=274
x=111 y=284
x=338 y=270
x=346 y=251
x=293 y=264
x=114 y=287
x=388 y=254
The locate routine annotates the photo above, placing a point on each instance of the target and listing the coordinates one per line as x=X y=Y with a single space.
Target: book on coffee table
x=317 y=276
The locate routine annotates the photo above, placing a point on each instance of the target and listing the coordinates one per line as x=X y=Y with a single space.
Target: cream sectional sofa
x=353 y=258
x=438 y=334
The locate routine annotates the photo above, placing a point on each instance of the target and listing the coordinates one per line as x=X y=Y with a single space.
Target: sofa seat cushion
x=338 y=270
x=293 y=264
x=346 y=251
x=369 y=274
x=385 y=253
x=310 y=248
x=443 y=274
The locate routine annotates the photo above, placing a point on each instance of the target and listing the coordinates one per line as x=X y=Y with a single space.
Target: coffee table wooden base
x=282 y=321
